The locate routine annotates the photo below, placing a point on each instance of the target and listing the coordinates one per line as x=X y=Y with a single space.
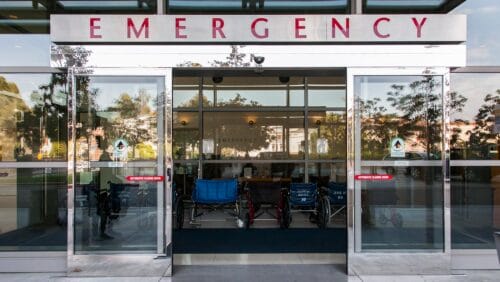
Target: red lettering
x=344 y=29
x=375 y=28
x=94 y=27
x=419 y=25
x=179 y=27
x=254 y=32
x=137 y=33
x=217 y=25
x=298 y=27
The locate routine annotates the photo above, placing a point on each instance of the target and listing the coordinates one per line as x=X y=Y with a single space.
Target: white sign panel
x=397 y=148
x=257 y=28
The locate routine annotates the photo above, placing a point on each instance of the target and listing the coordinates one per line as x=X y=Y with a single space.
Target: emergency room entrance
x=274 y=139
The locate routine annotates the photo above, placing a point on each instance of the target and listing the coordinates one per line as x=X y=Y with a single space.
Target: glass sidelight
x=119 y=154
x=399 y=180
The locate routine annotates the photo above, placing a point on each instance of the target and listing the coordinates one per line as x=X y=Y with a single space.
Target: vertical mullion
x=306 y=130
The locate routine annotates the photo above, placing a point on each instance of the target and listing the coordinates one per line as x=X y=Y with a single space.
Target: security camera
x=284 y=79
x=217 y=79
x=259 y=59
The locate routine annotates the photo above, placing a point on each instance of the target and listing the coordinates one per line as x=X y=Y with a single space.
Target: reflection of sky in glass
x=24 y=50
x=474 y=87
x=282 y=5
x=327 y=97
x=260 y=97
x=372 y=87
x=110 y=88
x=27 y=83
x=483 y=44
x=405 y=3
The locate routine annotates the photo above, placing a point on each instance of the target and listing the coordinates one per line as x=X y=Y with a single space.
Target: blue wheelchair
x=305 y=197
x=211 y=195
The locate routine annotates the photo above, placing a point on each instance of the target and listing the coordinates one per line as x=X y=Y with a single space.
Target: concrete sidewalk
x=261 y=273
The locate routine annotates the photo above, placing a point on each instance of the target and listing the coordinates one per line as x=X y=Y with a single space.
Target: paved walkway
x=261 y=273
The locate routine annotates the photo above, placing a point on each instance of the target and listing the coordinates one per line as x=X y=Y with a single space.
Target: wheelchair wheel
x=286 y=215
x=323 y=212
x=179 y=213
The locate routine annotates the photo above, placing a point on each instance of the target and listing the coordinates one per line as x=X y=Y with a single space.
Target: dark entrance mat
x=332 y=240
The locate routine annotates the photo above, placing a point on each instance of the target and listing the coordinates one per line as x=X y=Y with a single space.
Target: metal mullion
x=306 y=130
x=323 y=161
x=183 y=110
x=256 y=109
x=477 y=69
x=161 y=7
x=71 y=163
x=13 y=165
x=32 y=70
x=185 y=161
x=328 y=109
x=402 y=163
x=474 y=163
x=252 y=161
x=200 y=125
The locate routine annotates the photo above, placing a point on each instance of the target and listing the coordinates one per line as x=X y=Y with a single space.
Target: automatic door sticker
x=397 y=148
x=120 y=149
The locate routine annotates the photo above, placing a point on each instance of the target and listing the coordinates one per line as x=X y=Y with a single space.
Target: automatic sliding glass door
x=120 y=163
x=399 y=161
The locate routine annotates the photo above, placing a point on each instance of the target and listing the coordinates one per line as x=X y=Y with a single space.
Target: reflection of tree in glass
x=456 y=103
x=483 y=132
x=233 y=133
x=421 y=112
x=41 y=131
x=377 y=128
x=333 y=129
x=11 y=111
x=238 y=101
x=135 y=123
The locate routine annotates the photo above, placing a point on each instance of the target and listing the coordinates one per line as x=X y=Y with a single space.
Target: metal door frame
x=115 y=264
x=426 y=261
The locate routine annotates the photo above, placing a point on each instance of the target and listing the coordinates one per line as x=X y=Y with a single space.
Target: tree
x=135 y=122
x=483 y=132
x=421 y=112
x=456 y=102
x=377 y=128
x=234 y=59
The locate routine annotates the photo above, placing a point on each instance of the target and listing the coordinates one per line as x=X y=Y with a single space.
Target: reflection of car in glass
x=413 y=171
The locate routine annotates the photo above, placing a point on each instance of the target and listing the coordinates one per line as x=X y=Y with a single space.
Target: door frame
x=115 y=264
x=425 y=261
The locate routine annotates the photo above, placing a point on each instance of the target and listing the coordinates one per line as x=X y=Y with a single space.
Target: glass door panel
x=399 y=177
x=119 y=129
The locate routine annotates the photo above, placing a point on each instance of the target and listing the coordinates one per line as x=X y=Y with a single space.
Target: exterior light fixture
x=184 y=123
x=251 y=122
x=318 y=122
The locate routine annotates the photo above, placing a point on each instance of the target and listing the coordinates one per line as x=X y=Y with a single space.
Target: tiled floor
x=266 y=219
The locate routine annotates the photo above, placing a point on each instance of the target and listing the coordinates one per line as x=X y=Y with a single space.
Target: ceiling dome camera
x=217 y=79
x=284 y=79
x=259 y=59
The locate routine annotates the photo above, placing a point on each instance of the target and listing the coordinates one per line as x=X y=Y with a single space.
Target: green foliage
x=145 y=151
